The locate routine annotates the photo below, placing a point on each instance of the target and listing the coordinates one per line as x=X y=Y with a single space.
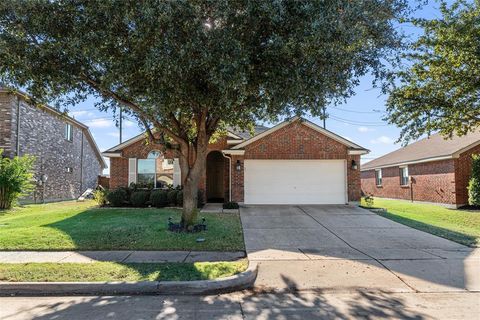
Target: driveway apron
x=346 y=248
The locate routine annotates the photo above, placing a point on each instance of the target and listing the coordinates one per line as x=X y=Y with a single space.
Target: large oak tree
x=439 y=88
x=186 y=69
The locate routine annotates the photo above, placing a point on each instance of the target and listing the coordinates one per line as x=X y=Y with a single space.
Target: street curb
x=241 y=281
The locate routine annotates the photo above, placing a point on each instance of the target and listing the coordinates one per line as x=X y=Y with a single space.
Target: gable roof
x=66 y=117
x=432 y=148
x=115 y=150
x=245 y=134
x=309 y=124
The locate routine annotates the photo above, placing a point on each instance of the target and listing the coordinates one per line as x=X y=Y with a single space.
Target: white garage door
x=295 y=182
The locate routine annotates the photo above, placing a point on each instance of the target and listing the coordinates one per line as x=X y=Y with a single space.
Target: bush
x=117 y=197
x=474 y=183
x=172 y=197
x=368 y=201
x=16 y=179
x=158 y=198
x=180 y=198
x=100 y=197
x=139 y=198
x=231 y=205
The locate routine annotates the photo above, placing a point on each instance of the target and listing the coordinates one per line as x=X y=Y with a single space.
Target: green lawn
x=82 y=226
x=462 y=226
x=109 y=271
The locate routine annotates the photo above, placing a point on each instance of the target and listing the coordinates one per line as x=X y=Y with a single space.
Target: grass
x=83 y=226
x=110 y=271
x=462 y=226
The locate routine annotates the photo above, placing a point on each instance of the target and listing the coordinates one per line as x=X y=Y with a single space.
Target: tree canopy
x=439 y=90
x=189 y=68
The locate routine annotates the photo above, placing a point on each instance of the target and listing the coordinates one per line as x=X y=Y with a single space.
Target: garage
x=295 y=182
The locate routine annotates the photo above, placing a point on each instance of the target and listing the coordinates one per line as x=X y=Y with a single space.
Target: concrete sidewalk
x=127 y=256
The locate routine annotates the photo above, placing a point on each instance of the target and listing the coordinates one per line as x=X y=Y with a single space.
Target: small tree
x=16 y=178
x=474 y=183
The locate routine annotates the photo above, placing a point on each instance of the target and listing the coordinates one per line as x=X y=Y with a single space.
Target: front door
x=215 y=177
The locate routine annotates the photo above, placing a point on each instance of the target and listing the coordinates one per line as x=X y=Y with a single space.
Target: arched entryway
x=215 y=177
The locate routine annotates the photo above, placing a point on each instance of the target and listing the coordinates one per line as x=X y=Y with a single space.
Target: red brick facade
x=442 y=181
x=293 y=141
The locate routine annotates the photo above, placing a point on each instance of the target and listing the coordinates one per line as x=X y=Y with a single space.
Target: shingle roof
x=432 y=148
x=247 y=134
x=242 y=134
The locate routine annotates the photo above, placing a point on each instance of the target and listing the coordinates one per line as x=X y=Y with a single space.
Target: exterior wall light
x=238 y=165
x=354 y=165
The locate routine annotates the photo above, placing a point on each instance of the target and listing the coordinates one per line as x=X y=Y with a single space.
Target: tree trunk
x=193 y=158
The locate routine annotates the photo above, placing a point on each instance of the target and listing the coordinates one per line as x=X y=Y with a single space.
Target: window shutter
x=132 y=170
x=177 y=173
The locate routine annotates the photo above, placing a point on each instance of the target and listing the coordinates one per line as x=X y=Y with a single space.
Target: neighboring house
x=295 y=162
x=65 y=151
x=430 y=170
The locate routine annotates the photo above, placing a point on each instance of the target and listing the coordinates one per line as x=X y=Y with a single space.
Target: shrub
x=474 y=183
x=230 y=205
x=180 y=198
x=139 y=198
x=172 y=197
x=16 y=179
x=368 y=199
x=117 y=197
x=158 y=198
x=100 y=197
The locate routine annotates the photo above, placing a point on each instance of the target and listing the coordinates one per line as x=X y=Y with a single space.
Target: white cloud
x=382 y=140
x=100 y=123
x=77 y=113
x=129 y=124
x=348 y=138
x=115 y=134
x=365 y=129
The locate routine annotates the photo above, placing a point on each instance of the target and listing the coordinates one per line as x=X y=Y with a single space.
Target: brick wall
x=141 y=149
x=297 y=141
x=42 y=135
x=7 y=140
x=463 y=166
x=294 y=141
x=432 y=182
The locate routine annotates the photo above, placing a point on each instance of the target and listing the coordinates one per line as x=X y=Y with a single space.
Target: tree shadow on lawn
x=145 y=229
x=456 y=236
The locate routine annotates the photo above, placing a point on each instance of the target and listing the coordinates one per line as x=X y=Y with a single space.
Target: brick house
x=295 y=162
x=64 y=148
x=430 y=170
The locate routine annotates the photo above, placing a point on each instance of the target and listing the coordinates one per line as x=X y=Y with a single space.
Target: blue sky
x=359 y=119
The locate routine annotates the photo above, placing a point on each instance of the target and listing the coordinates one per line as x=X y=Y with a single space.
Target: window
x=378 y=177
x=68 y=132
x=155 y=171
x=69 y=169
x=404 y=176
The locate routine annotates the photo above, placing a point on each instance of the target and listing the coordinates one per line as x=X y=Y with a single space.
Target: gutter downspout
x=18 y=128
x=229 y=177
x=81 y=167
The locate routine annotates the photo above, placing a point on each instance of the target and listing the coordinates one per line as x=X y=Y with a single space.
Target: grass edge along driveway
x=111 y=271
x=75 y=225
x=461 y=226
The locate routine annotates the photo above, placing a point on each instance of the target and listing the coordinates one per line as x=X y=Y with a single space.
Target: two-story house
x=68 y=160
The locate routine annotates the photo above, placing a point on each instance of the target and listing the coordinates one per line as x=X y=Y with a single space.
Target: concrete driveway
x=345 y=248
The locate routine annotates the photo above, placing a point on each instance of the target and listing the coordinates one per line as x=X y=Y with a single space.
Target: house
x=67 y=159
x=433 y=169
x=295 y=162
